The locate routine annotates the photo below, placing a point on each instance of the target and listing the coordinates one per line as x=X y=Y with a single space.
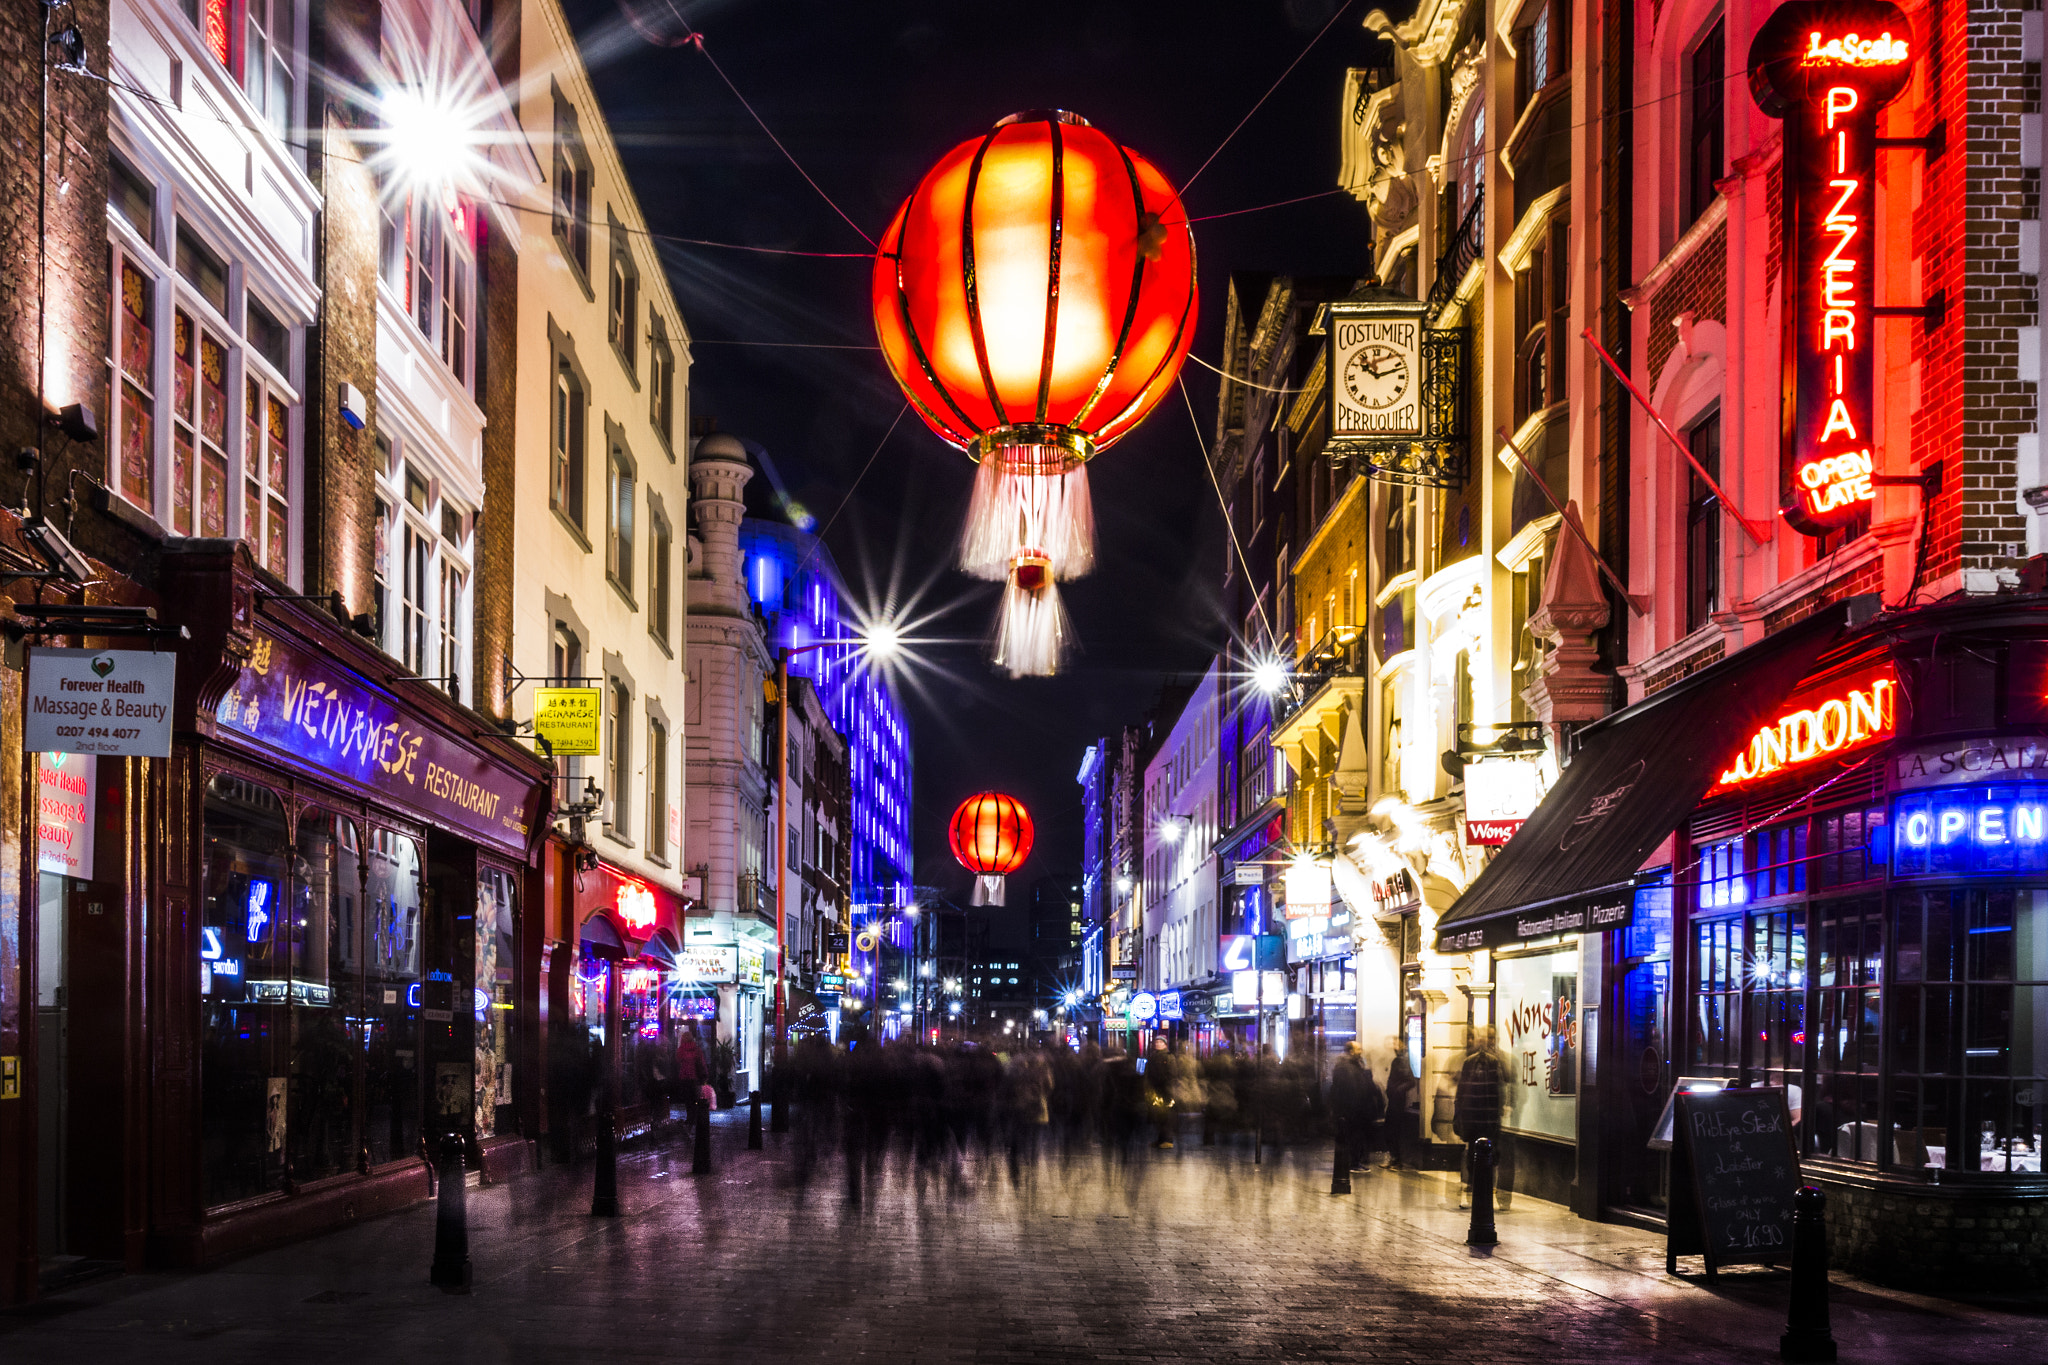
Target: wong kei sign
x=314 y=712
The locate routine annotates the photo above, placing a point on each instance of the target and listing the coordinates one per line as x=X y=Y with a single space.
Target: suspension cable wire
x=1189 y=183
x=846 y=497
x=1229 y=526
x=693 y=38
x=1263 y=388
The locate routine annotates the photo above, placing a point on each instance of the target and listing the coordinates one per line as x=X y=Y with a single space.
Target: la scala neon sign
x=1804 y=734
x=1814 y=65
x=636 y=907
x=1852 y=50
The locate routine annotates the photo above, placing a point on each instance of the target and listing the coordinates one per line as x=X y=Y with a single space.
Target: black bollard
x=604 y=1197
x=450 y=1272
x=779 y=1121
x=1808 y=1335
x=700 y=1160
x=1482 y=1234
x=754 y=1119
x=1340 y=1169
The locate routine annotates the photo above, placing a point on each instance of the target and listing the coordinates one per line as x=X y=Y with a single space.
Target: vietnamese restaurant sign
x=315 y=711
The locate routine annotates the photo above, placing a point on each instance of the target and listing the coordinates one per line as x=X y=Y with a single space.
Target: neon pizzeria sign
x=1814 y=65
x=1804 y=734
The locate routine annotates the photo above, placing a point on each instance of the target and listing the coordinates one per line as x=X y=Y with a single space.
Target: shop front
x=1862 y=918
x=337 y=943
x=629 y=992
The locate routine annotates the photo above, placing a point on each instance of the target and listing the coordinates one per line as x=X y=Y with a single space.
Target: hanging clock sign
x=1396 y=386
x=1826 y=67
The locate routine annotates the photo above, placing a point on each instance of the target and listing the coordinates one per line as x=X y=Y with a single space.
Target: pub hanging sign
x=1826 y=67
x=1397 y=388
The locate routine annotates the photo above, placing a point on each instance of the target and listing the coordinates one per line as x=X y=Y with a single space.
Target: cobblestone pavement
x=1190 y=1255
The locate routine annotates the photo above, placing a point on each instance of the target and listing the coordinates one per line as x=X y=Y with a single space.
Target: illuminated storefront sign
x=1827 y=67
x=1499 y=794
x=1970 y=829
x=1856 y=715
x=636 y=907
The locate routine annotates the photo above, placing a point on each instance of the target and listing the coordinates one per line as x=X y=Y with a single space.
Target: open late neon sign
x=1817 y=65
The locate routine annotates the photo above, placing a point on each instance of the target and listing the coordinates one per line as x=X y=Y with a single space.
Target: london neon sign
x=1813 y=65
x=1808 y=733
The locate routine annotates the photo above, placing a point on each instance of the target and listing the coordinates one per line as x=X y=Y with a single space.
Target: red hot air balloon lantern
x=991 y=836
x=1034 y=298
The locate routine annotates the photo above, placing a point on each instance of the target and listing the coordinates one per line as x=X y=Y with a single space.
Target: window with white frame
x=661 y=380
x=619 y=498
x=622 y=309
x=255 y=41
x=568 y=415
x=621 y=777
x=657 y=787
x=428 y=259
x=426 y=545
x=660 y=559
x=572 y=177
x=228 y=391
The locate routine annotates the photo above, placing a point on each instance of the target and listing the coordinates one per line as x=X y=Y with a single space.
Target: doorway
x=80 y=974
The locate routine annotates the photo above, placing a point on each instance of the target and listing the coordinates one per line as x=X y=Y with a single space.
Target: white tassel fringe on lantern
x=1031 y=631
x=1030 y=525
x=1029 y=497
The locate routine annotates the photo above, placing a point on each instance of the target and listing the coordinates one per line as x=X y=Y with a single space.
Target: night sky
x=866 y=97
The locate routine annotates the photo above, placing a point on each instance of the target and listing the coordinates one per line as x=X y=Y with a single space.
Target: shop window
x=1848 y=942
x=1841 y=846
x=497 y=976
x=325 y=993
x=1706 y=121
x=266 y=476
x=1721 y=879
x=1777 y=857
x=245 y=983
x=391 y=999
x=1968 y=1009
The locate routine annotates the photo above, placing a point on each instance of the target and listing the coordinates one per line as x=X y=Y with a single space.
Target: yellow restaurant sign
x=569 y=718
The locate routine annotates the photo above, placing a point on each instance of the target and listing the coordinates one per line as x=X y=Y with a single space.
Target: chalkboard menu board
x=1733 y=1171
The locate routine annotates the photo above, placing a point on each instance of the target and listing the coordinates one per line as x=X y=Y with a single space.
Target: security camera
x=57 y=551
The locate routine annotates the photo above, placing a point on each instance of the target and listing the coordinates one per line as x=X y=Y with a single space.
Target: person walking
x=1402 y=1093
x=1479 y=1109
x=692 y=1073
x=1350 y=1104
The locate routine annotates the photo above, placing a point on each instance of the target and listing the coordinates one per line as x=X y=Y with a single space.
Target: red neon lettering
x=636 y=907
x=1854 y=50
x=1811 y=732
x=217 y=30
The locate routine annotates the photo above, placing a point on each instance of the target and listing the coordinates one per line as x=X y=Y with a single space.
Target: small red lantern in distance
x=991 y=836
x=1034 y=298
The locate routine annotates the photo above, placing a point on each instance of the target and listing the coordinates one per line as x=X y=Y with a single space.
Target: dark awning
x=1571 y=866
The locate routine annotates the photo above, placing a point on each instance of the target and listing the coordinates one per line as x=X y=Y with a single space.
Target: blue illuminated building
x=793 y=582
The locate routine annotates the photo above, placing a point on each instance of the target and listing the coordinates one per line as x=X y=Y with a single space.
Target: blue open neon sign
x=1971 y=829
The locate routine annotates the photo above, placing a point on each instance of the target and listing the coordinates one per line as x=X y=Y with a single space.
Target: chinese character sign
x=1827 y=67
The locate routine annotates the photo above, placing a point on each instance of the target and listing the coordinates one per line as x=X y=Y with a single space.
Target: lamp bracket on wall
x=1933 y=312
x=1934 y=143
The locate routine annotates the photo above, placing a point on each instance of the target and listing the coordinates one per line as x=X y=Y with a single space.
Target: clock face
x=1377 y=376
